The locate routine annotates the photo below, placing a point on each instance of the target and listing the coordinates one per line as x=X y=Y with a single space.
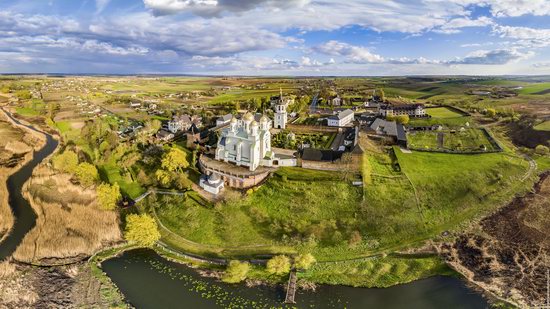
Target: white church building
x=245 y=142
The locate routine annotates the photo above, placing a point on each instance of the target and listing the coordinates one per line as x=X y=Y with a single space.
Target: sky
x=276 y=37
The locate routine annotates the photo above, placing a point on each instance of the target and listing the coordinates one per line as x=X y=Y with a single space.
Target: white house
x=212 y=183
x=245 y=142
x=342 y=119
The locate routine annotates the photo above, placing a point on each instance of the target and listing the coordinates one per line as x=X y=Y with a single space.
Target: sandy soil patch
x=70 y=226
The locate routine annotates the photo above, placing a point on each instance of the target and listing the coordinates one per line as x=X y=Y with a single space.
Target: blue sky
x=276 y=37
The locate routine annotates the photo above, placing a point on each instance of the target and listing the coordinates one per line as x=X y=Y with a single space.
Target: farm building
x=389 y=130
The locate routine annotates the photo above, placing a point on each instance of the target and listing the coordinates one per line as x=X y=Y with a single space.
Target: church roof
x=248 y=117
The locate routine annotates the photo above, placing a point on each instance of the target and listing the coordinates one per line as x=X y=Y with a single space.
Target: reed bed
x=70 y=226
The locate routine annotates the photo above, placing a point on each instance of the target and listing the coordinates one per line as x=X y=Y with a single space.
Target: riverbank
x=26 y=286
x=17 y=148
x=506 y=255
x=69 y=286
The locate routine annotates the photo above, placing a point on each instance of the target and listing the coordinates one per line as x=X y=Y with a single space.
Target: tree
x=108 y=196
x=175 y=160
x=87 y=173
x=129 y=159
x=278 y=265
x=542 y=150
x=163 y=177
x=141 y=229
x=182 y=182
x=236 y=272
x=304 y=261
x=66 y=162
x=402 y=119
x=382 y=95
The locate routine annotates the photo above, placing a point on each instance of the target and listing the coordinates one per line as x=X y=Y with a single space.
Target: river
x=149 y=281
x=25 y=217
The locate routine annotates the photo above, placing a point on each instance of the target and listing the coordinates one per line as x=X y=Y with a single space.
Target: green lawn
x=27 y=111
x=453 y=188
x=63 y=126
x=112 y=173
x=450 y=122
x=462 y=141
x=543 y=126
x=535 y=88
x=442 y=112
x=377 y=272
x=290 y=208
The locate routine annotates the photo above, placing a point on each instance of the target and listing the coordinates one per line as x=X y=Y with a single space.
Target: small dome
x=213 y=178
x=233 y=120
x=254 y=123
x=248 y=117
x=264 y=118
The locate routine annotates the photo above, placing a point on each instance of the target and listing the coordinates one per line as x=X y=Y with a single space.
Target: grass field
x=446 y=121
x=288 y=209
x=543 y=126
x=462 y=141
x=377 y=272
x=535 y=88
x=442 y=112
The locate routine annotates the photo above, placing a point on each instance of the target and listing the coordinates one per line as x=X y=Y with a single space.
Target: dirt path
x=532 y=167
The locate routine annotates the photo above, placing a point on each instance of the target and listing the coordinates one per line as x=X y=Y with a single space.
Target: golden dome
x=254 y=123
x=264 y=118
x=233 y=120
x=248 y=117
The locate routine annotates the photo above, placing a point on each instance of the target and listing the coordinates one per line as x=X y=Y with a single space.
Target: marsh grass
x=6 y=269
x=69 y=226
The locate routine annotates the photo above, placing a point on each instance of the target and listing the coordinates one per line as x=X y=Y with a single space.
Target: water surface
x=149 y=281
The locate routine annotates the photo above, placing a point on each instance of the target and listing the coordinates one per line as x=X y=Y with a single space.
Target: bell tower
x=281 y=116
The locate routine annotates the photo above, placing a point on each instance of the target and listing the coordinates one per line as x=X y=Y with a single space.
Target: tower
x=280 y=113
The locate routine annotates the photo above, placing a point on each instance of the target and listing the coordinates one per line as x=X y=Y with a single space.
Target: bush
x=66 y=162
x=108 y=196
x=87 y=174
x=542 y=150
x=304 y=261
x=236 y=272
x=141 y=229
x=402 y=119
x=278 y=265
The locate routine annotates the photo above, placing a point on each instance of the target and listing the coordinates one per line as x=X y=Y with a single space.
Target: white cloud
x=354 y=54
x=492 y=57
x=454 y=25
x=501 y=8
x=209 y=8
x=524 y=36
x=543 y=65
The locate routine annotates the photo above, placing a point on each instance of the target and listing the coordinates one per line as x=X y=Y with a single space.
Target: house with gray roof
x=342 y=119
x=390 y=130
